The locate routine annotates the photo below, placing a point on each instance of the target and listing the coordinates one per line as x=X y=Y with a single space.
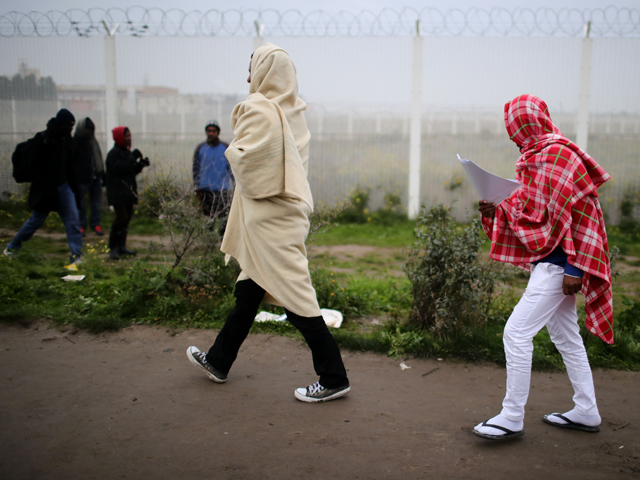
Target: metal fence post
x=14 y=119
x=257 y=40
x=320 y=122
x=416 y=126
x=143 y=107
x=582 y=134
x=111 y=88
x=183 y=119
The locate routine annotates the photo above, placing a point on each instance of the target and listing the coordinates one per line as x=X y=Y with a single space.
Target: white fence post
x=14 y=119
x=111 y=88
x=183 y=120
x=582 y=134
x=143 y=107
x=257 y=40
x=416 y=126
x=320 y=122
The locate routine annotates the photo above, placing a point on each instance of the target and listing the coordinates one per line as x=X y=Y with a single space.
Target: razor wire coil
x=139 y=21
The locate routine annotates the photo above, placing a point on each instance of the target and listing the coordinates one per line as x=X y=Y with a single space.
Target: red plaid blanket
x=557 y=204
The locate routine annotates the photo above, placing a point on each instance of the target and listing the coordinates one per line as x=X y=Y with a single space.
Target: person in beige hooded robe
x=269 y=223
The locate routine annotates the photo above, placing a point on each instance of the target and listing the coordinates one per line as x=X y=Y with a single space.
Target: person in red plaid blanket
x=553 y=226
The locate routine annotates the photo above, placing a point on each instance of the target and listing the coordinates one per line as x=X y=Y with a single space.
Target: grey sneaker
x=317 y=393
x=199 y=359
x=8 y=252
x=77 y=260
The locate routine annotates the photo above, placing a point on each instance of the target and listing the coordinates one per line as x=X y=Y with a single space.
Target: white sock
x=575 y=417
x=502 y=422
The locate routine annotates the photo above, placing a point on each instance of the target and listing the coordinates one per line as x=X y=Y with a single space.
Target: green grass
x=628 y=244
x=398 y=235
x=14 y=213
x=134 y=291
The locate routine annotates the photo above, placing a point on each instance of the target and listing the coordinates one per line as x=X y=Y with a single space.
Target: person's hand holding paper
x=490 y=188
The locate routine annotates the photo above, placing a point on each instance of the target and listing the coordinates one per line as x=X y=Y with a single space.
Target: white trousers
x=543 y=303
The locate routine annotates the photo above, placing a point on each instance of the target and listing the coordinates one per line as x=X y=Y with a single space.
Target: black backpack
x=20 y=160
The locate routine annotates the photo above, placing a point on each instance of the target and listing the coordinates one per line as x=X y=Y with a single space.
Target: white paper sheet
x=490 y=187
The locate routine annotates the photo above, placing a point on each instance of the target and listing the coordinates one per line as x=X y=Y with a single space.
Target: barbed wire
x=140 y=21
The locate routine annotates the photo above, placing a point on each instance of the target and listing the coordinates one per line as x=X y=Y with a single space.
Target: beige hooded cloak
x=269 y=218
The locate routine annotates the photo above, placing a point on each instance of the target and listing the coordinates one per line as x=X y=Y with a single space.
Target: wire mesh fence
x=357 y=86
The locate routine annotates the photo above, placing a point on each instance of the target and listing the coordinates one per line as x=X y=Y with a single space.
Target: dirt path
x=130 y=405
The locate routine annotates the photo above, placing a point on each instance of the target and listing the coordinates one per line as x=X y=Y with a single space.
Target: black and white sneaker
x=317 y=393
x=199 y=359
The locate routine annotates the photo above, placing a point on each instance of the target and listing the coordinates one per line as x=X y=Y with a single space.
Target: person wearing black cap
x=212 y=177
x=54 y=187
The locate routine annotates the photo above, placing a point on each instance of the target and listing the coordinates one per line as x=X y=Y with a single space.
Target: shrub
x=629 y=225
x=452 y=290
x=391 y=212
x=358 y=211
x=180 y=214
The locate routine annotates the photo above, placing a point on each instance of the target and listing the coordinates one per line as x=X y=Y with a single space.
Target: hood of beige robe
x=273 y=74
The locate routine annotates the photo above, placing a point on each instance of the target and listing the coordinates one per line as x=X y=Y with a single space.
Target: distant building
x=25 y=71
x=91 y=97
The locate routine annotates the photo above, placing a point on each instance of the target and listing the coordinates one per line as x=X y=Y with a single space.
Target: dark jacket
x=51 y=161
x=89 y=165
x=122 y=168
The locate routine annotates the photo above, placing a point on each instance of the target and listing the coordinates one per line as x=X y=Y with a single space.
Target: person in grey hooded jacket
x=89 y=173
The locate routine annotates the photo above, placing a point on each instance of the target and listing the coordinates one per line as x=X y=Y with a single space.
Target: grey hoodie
x=88 y=148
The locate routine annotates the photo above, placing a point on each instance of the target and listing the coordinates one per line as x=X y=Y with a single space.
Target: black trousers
x=123 y=217
x=214 y=204
x=119 y=227
x=327 y=361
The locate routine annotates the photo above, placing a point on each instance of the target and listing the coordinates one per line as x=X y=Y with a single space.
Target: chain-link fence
x=176 y=70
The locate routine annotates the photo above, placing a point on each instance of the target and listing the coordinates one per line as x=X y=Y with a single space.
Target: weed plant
x=199 y=294
x=391 y=213
x=452 y=289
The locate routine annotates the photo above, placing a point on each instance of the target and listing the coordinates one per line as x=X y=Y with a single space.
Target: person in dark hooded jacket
x=89 y=174
x=122 y=189
x=54 y=188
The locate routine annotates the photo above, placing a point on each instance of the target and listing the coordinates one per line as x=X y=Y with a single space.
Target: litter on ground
x=73 y=278
x=333 y=318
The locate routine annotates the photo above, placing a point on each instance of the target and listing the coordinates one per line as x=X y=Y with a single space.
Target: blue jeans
x=95 y=197
x=68 y=212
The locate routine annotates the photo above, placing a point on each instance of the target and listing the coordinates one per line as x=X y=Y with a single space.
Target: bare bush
x=452 y=289
x=187 y=228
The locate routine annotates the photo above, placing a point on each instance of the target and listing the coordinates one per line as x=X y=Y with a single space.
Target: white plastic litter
x=267 y=317
x=73 y=278
x=333 y=318
x=404 y=366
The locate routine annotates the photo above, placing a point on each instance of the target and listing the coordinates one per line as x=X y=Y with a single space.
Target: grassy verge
x=15 y=212
x=398 y=235
x=368 y=288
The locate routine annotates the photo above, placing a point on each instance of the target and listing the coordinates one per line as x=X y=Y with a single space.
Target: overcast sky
x=458 y=72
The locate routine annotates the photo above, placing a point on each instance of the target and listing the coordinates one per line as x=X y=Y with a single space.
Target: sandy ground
x=130 y=405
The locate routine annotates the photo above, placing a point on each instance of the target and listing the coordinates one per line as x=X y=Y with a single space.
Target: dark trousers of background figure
x=120 y=226
x=216 y=205
x=68 y=211
x=94 y=189
x=327 y=360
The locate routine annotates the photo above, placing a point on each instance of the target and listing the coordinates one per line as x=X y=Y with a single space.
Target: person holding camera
x=122 y=190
